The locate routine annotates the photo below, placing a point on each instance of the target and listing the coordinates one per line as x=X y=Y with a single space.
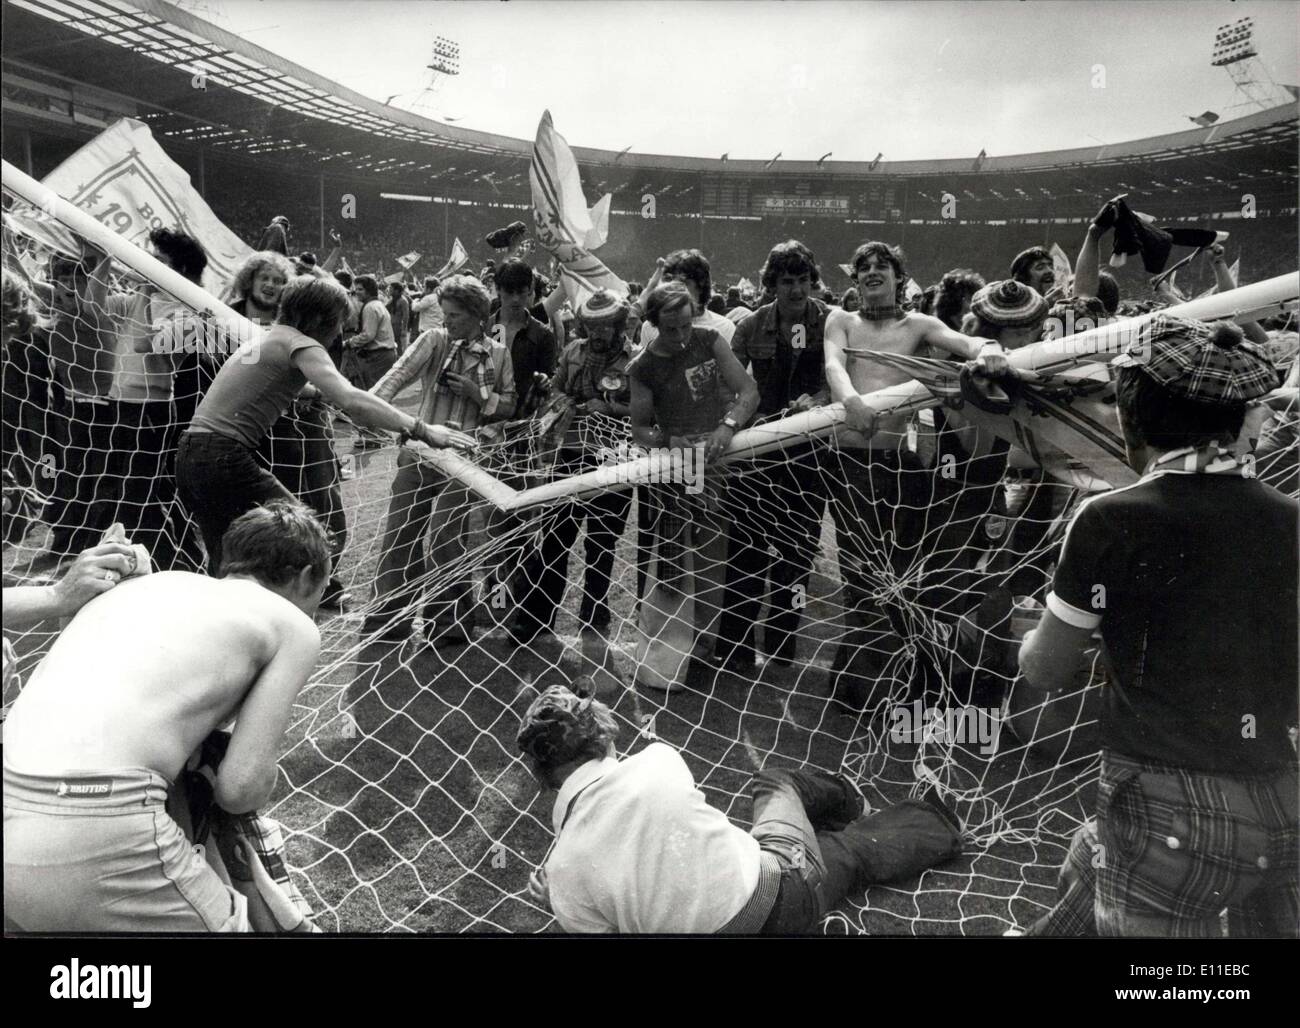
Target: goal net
x=888 y=597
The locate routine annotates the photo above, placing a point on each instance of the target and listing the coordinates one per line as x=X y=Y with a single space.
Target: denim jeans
x=218 y=480
x=781 y=503
x=300 y=452
x=807 y=820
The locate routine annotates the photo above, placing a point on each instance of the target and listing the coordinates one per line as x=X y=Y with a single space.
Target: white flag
x=564 y=225
x=407 y=260
x=1061 y=267
x=458 y=259
x=123 y=179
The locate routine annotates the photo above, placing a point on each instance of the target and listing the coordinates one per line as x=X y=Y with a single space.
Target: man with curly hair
x=639 y=849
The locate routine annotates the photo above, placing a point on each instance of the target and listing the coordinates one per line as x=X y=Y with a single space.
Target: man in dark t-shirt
x=682 y=388
x=1189 y=576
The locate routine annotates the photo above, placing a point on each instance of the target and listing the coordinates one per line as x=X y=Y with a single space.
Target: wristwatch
x=731 y=423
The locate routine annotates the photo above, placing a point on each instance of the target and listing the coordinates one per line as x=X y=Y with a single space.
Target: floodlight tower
x=446 y=57
x=1234 y=49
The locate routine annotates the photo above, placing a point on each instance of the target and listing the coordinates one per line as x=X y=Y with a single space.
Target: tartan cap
x=561 y=724
x=1009 y=304
x=602 y=306
x=1200 y=361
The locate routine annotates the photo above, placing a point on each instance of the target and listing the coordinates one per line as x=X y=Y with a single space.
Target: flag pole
x=125 y=252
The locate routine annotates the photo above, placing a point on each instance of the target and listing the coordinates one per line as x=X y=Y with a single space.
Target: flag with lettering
x=563 y=223
x=123 y=179
x=407 y=260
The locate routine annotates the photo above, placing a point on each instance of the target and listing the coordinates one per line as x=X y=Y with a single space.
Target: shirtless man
x=117 y=707
x=880 y=487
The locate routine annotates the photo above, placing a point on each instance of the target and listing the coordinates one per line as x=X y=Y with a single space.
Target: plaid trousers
x=1171 y=849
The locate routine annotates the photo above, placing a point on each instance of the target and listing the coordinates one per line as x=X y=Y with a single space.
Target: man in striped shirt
x=467 y=381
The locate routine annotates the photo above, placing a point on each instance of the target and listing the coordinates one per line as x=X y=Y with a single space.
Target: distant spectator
x=275 y=237
x=426 y=306
x=399 y=312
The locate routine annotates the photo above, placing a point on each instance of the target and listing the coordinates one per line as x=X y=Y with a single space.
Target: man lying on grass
x=132 y=687
x=638 y=849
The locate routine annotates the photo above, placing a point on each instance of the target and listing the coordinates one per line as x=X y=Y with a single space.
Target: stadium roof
x=194 y=82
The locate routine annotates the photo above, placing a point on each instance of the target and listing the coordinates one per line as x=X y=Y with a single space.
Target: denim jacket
x=782 y=369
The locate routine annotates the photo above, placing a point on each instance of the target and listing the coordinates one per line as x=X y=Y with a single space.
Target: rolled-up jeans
x=799 y=816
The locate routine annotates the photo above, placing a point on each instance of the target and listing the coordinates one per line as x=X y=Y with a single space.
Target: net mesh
x=888 y=594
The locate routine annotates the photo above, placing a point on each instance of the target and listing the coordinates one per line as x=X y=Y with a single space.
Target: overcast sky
x=912 y=80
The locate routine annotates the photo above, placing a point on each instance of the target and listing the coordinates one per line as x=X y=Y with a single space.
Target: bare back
x=146 y=671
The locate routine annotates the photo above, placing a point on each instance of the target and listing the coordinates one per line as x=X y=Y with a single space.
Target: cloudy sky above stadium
x=911 y=80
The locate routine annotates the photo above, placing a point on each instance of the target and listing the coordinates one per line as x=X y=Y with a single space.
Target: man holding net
x=593 y=373
x=300 y=445
x=783 y=501
x=467 y=381
x=682 y=385
x=639 y=849
x=218 y=475
x=100 y=733
x=879 y=487
x=1197 y=802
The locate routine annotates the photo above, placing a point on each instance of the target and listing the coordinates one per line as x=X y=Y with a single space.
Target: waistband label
x=87 y=787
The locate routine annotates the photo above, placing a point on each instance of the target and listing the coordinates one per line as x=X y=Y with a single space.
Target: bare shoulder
x=282 y=623
x=922 y=325
x=839 y=320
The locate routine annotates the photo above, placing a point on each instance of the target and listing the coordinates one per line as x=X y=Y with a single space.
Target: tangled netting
x=894 y=595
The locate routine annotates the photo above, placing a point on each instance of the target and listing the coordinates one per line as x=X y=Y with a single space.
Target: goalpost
x=403 y=803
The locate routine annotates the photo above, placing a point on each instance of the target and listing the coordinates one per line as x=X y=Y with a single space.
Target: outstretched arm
x=367 y=409
x=1087 y=266
x=1224 y=281
x=988 y=355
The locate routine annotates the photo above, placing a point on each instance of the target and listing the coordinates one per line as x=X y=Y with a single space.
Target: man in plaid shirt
x=468 y=381
x=1196 y=806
